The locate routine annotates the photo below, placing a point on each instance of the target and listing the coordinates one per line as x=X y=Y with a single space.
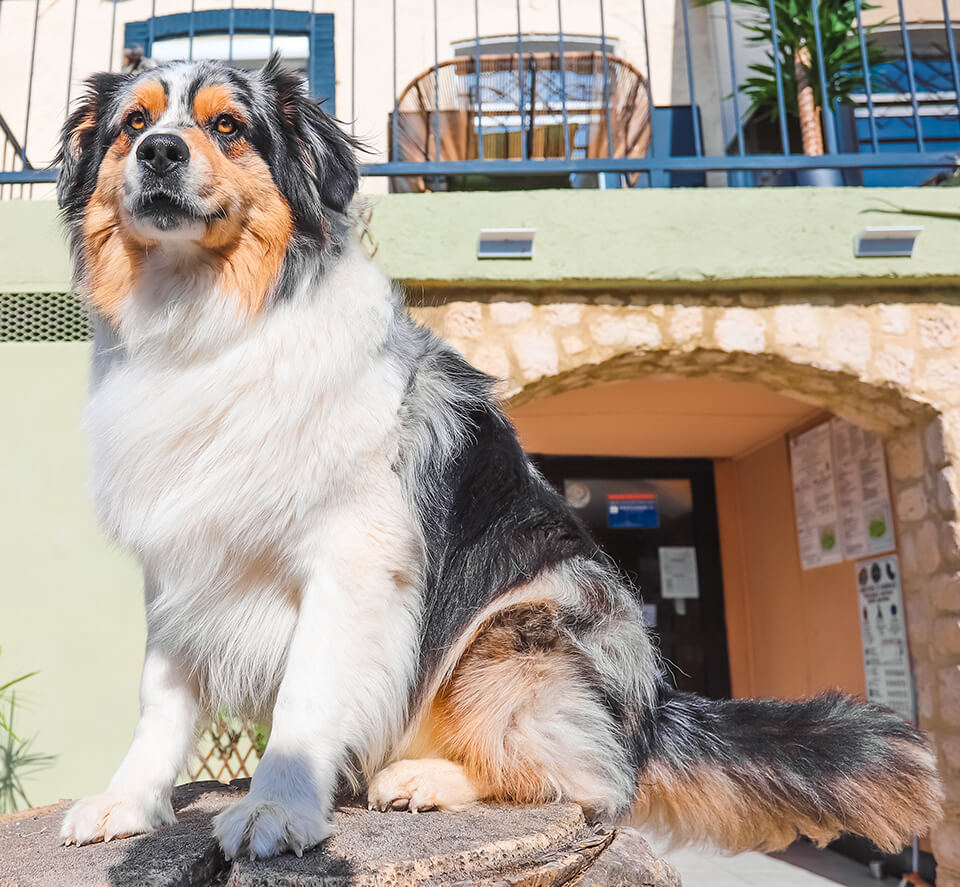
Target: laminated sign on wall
x=860 y=470
x=841 y=495
x=815 y=498
x=886 y=659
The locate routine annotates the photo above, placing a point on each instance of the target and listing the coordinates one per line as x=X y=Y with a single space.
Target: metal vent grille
x=43 y=317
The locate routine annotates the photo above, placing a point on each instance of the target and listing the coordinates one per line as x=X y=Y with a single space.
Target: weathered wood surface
x=492 y=846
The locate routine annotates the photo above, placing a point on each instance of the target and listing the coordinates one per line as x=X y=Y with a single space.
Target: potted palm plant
x=800 y=66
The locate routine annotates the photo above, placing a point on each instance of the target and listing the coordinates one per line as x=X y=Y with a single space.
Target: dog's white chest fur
x=217 y=471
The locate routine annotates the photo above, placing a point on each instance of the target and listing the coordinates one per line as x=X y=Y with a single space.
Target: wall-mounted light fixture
x=505 y=243
x=886 y=241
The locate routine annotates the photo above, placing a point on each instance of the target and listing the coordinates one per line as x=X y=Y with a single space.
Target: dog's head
x=233 y=170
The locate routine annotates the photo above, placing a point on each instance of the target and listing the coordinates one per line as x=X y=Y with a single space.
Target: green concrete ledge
x=727 y=238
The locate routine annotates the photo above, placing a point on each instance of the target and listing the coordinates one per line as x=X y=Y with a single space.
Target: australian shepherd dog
x=341 y=536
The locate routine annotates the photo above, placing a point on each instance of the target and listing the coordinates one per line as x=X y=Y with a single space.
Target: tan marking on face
x=151 y=96
x=251 y=242
x=211 y=101
x=113 y=254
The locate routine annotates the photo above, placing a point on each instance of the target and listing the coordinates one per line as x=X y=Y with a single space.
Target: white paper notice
x=678 y=572
x=886 y=660
x=862 y=493
x=815 y=499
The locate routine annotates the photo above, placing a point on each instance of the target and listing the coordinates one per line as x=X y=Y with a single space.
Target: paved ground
x=799 y=866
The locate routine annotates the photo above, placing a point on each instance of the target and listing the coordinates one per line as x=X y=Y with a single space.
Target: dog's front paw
x=113 y=815
x=427 y=784
x=266 y=828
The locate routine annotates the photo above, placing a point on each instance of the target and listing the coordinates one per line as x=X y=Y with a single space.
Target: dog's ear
x=327 y=177
x=78 y=157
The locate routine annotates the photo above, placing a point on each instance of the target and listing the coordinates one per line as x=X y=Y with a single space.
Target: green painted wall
x=70 y=606
x=33 y=249
x=724 y=236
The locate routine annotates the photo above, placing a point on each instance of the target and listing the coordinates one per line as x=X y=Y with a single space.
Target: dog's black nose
x=162 y=152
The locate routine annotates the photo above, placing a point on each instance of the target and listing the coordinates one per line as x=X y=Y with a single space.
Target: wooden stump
x=487 y=845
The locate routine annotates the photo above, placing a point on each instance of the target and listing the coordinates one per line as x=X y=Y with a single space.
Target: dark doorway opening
x=657 y=518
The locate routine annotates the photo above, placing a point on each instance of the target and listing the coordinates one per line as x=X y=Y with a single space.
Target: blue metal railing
x=868 y=150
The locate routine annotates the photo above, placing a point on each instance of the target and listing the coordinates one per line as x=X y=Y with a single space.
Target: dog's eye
x=226 y=124
x=136 y=120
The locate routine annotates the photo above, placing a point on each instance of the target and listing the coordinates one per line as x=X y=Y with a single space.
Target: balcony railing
x=519 y=101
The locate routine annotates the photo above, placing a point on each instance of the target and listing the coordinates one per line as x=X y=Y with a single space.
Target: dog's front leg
x=344 y=690
x=137 y=799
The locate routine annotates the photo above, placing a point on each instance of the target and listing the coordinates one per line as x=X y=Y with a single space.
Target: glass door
x=657 y=519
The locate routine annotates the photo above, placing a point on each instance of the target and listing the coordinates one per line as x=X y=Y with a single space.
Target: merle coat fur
x=342 y=536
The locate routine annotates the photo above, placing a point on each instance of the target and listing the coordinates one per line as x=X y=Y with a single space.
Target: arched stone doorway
x=887 y=366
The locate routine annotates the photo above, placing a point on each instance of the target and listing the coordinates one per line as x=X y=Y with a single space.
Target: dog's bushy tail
x=754 y=774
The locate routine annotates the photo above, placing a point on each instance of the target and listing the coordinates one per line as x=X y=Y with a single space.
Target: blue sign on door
x=632 y=511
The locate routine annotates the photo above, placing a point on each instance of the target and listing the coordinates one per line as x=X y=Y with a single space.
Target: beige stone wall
x=888 y=363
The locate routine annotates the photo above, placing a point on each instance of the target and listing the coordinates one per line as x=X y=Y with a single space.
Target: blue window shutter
x=137 y=34
x=318 y=27
x=322 y=73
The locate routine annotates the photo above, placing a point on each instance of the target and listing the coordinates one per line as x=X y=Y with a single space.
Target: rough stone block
x=938 y=331
x=948 y=693
x=912 y=503
x=741 y=329
x=492 y=359
x=629 y=862
x=946 y=846
x=642 y=331
x=797 y=326
x=848 y=343
x=608 y=329
x=928 y=548
x=934 y=437
x=463 y=320
x=950 y=542
x=536 y=354
x=945 y=593
x=686 y=323
x=949 y=748
x=941 y=375
x=947 y=877
x=946 y=636
x=895 y=364
x=905 y=456
x=563 y=313
x=508 y=312
x=515 y=846
x=894 y=319
x=948 y=491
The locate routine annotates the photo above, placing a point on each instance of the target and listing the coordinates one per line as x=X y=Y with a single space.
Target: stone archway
x=888 y=366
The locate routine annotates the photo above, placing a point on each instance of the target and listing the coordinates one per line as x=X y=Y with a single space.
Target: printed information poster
x=678 y=572
x=886 y=659
x=860 y=469
x=815 y=498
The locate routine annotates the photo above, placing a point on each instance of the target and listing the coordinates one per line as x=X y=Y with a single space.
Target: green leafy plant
x=6 y=723
x=799 y=62
x=17 y=758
